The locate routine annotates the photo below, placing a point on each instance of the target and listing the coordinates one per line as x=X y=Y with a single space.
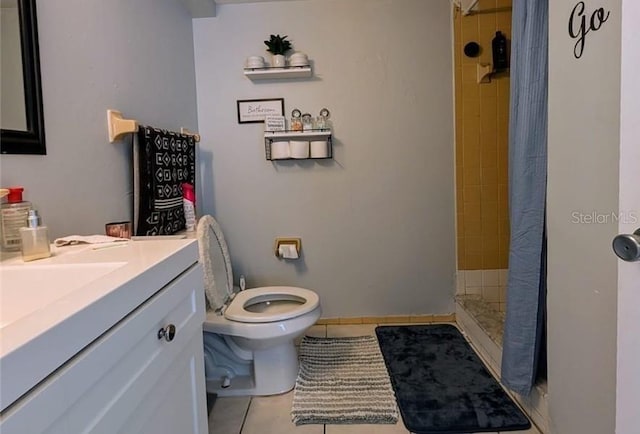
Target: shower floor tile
x=488 y=318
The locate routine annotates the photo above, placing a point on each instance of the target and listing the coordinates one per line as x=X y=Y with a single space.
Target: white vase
x=278 y=61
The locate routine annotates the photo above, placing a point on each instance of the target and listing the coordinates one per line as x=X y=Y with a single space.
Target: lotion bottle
x=35 y=239
x=189 y=204
x=14 y=216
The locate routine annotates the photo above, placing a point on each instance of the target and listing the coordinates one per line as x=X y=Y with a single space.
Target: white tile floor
x=272 y=414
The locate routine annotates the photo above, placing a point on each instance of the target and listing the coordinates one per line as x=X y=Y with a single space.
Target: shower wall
x=482 y=119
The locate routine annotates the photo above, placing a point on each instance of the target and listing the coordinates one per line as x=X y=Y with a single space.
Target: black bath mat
x=441 y=385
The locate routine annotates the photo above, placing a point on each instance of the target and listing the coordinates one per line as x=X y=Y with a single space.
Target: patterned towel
x=162 y=161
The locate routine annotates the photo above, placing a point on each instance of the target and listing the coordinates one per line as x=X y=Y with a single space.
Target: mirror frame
x=32 y=140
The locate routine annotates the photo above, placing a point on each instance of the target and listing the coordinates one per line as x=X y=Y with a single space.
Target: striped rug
x=343 y=381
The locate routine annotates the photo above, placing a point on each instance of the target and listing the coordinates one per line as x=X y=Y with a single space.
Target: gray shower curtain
x=524 y=326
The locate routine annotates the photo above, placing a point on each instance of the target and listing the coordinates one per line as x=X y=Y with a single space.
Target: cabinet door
x=129 y=380
x=174 y=406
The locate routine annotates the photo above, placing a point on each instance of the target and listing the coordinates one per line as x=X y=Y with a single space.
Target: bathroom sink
x=24 y=289
x=52 y=309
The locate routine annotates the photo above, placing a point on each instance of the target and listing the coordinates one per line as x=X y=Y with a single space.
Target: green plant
x=278 y=44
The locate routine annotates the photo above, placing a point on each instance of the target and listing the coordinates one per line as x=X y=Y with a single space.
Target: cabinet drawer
x=102 y=387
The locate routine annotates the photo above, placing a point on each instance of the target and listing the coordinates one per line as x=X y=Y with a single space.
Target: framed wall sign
x=251 y=111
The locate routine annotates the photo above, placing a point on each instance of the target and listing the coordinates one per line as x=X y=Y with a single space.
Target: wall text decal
x=579 y=27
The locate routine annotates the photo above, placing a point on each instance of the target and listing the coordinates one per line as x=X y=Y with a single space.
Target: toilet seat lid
x=271 y=303
x=216 y=262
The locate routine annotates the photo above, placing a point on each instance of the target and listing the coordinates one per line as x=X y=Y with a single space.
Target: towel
x=162 y=161
x=88 y=239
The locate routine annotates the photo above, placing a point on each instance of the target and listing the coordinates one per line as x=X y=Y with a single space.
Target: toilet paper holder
x=286 y=242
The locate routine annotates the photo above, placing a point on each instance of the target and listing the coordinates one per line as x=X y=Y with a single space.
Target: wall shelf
x=278 y=73
x=310 y=135
x=302 y=135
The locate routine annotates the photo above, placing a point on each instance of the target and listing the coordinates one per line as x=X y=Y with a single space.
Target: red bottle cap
x=15 y=194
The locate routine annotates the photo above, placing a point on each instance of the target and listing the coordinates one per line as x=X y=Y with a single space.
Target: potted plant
x=278 y=46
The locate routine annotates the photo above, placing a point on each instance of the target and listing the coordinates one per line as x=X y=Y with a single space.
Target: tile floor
x=272 y=414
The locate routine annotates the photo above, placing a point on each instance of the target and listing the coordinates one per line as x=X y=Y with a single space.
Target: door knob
x=627 y=246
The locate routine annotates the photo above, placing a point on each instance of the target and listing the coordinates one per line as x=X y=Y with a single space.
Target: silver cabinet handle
x=168 y=333
x=627 y=246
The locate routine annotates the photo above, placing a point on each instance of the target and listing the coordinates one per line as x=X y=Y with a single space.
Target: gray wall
x=584 y=98
x=134 y=56
x=377 y=221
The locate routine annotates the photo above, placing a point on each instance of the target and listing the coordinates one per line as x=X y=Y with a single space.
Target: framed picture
x=251 y=111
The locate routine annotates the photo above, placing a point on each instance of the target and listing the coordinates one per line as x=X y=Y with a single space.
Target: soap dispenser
x=35 y=239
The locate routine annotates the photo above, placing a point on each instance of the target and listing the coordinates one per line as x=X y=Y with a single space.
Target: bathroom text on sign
x=579 y=26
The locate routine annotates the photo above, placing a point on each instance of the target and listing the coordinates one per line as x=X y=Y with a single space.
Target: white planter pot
x=279 y=61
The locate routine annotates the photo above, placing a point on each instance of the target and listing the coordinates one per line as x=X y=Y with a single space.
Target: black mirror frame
x=30 y=141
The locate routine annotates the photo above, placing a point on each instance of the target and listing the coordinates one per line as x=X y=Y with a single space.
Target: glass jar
x=296 y=121
x=324 y=119
x=307 y=122
x=296 y=124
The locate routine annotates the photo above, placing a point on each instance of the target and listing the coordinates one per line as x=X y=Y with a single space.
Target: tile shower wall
x=482 y=118
x=490 y=285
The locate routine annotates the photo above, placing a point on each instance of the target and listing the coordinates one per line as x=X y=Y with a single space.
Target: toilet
x=249 y=334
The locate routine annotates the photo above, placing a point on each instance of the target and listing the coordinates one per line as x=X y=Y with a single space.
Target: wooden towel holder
x=118 y=126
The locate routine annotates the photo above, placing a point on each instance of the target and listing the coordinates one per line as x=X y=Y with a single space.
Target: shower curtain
x=526 y=291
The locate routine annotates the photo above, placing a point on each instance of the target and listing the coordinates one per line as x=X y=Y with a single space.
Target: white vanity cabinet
x=137 y=377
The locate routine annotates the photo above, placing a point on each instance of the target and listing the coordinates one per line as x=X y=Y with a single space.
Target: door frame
x=628 y=325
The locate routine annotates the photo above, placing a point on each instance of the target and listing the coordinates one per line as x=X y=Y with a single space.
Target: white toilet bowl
x=249 y=335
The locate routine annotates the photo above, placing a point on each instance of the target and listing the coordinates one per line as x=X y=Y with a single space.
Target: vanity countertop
x=52 y=308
